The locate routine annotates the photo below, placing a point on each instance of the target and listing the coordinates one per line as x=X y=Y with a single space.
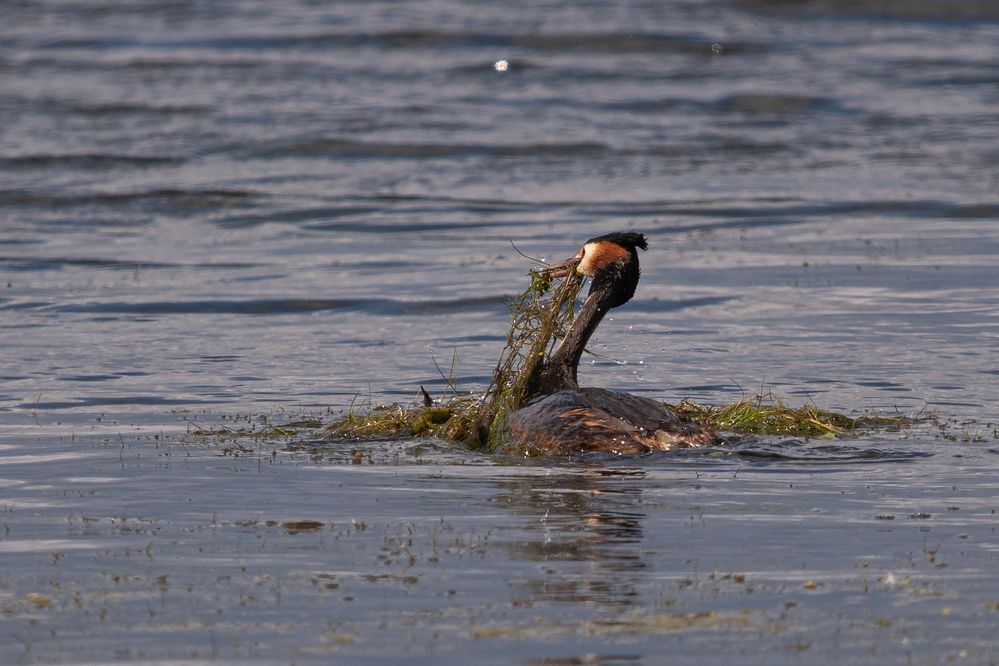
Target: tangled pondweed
x=538 y=321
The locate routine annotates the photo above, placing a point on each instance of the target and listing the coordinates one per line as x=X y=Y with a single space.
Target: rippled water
x=214 y=215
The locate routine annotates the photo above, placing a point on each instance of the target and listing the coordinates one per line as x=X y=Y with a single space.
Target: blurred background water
x=213 y=210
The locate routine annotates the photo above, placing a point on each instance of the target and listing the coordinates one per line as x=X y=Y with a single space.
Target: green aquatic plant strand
x=539 y=318
x=537 y=323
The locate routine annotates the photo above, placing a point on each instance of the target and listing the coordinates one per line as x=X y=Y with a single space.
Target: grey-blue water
x=231 y=215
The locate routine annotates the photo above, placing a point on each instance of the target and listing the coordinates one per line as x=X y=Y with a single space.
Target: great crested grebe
x=564 y=419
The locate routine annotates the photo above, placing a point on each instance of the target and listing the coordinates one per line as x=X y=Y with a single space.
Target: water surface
x=234 y=215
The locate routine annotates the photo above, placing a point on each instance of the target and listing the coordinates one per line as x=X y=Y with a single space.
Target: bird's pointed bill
x=562 y=268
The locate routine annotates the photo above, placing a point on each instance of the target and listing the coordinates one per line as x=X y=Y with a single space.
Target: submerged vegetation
x=538 y=321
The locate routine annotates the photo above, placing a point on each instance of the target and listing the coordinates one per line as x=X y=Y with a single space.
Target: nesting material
x=539 y=319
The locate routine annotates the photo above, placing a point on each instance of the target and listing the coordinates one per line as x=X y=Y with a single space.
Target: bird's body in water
x=564 y=419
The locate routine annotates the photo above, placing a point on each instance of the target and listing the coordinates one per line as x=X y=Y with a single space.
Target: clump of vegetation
x=538 y=321
x=398 y=421
x=768 y=415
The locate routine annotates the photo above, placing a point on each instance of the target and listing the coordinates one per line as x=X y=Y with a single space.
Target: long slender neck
x=559 y=372
x=570 y=350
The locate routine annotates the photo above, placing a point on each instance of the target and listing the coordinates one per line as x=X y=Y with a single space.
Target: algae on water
x=768 y=415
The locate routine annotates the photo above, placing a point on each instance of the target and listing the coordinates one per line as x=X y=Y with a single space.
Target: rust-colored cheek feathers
x=599 y=254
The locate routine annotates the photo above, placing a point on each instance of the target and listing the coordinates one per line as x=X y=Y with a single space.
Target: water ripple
x=798 y=451
x=191 y=198
x=590 y=42
x=348 y=148
x=87 y=161
x=378 y=306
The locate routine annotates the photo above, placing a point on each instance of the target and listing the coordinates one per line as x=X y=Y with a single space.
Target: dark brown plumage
x=563 y=419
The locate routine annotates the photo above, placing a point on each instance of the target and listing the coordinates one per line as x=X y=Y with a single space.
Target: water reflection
x=591 y=516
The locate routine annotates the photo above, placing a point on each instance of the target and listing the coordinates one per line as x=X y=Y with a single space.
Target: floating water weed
x=768 y=415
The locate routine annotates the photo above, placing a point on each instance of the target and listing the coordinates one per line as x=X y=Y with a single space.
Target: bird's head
x=612 y=261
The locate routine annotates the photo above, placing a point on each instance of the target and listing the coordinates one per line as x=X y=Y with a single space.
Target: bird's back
x=593 y=420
